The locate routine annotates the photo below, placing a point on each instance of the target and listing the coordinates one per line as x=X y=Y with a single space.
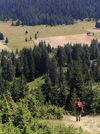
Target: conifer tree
x=23 y=87
x=4 y=70
x=76 y=81
x=15 y=90
x=10 y=70
x=97 y=71
x=26 y=68
x=44 y=64
x=63 y=94
x=18 y=68
x=1 y=36
x=73 y=100
x=6 y=40
x=62 y=79
x=31 y=65
x=5 y=110
x=46 y=88
x=13 y=58
x=53 y=71
x=60 y=56
x=3 y=60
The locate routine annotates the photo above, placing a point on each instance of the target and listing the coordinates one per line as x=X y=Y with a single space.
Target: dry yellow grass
x=89 y=124
x=4 y=47
x=61 y=40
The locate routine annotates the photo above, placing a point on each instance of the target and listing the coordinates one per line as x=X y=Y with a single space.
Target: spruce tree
x=53 y=71
x=6 y=40
x=10 y=70
x=76 y=81
x=26 y=68
x=72 y=101
x=62 y=79
x=18 y=68
x=46 y=89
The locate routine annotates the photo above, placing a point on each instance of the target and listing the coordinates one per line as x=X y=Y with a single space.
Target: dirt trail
x=88 y=123
x=4 y=47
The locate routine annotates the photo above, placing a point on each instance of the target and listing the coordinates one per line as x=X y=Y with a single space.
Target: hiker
x=78 y=109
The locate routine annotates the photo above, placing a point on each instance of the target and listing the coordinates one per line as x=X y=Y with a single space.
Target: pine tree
x=62 y=79
x=5 y=111
x=6 y=40
x=4 y=70
x=10 y=71
x=60 y=56
x=18 y=68
x=36 y=36
x=15 y=90
x=46 y=89
x=44 y=63
x=1 y=36
x=31 y=65
x=63 y=94
x=53 y=71
x=76 y=81
x=26 y=39
x=13 y=58
x=72 y=101
x=3 y=60
x=26 y=68
x=23 y=87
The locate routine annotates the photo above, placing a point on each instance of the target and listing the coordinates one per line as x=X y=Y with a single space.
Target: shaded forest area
x=69 y=72
x=51 y=12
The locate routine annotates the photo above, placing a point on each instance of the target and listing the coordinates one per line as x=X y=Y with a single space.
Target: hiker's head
x=78 y=99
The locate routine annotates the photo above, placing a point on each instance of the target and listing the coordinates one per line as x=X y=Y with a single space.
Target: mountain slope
x=87 y=124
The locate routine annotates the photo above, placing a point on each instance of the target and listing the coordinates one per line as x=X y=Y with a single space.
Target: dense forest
x=51 y=12
x=68 y=72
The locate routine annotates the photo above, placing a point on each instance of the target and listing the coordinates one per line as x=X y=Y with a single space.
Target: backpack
x=79 y=106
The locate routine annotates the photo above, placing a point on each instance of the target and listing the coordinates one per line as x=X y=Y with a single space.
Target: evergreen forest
x=68 y=72
x=51 y=12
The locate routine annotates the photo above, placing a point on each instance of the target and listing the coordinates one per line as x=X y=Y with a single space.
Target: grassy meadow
x=16 y=34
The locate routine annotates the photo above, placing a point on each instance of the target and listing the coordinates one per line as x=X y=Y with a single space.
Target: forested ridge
x=69 y=72
x=50 y=12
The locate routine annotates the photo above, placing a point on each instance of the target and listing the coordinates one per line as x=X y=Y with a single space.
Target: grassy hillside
x=16 y=34
x=88 y=124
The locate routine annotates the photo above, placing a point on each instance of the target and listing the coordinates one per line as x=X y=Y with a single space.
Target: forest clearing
x=56 y=35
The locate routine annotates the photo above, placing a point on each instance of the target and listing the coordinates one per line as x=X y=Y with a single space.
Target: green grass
x=36 y=83
x=16 y=34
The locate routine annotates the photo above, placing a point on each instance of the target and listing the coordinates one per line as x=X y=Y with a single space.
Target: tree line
x=50 y=12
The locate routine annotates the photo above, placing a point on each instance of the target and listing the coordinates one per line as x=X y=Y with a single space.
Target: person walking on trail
x=78 y=109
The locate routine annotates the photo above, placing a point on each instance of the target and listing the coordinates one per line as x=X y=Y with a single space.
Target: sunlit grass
x=36 y=83
x=16 y=34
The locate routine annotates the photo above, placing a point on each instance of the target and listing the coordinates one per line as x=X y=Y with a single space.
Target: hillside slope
x=88 y=124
